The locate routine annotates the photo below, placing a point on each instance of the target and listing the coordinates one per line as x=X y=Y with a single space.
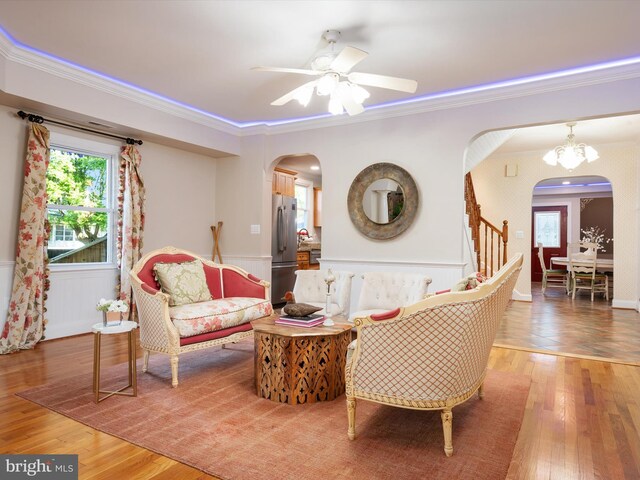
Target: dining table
x=602 y=264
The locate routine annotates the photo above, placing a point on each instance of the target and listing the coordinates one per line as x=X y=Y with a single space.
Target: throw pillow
x=183 y=282
x=469 y=282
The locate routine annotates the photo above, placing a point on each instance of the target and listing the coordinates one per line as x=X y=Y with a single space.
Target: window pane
x=77 y=236
x=76 y=179
x=301 y=196
x=547 y=229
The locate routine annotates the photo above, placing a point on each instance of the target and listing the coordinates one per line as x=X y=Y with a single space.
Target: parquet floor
x=557 y=324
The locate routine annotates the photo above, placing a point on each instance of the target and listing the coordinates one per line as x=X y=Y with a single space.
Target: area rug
x=215 y=422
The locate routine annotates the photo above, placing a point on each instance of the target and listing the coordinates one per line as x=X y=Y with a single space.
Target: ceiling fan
x=336 y=81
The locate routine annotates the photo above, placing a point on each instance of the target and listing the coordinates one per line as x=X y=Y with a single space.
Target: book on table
x=308 y=321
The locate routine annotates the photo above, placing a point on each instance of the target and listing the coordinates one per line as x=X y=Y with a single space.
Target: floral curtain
x=26 y=322
x=130 y=219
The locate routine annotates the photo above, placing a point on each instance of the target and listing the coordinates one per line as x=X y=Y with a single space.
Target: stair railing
x=489 y=241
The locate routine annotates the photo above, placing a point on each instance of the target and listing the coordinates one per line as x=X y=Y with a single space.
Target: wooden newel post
x=505 y=239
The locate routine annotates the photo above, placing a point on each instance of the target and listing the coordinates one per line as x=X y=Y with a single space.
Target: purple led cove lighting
x=599 y=184
x=417 y=99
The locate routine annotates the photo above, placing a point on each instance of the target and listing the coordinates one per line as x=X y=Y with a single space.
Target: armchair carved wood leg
x=174 y=371
x=447 y=423
x=481 y=391
x=351 y=411
x=145 y=360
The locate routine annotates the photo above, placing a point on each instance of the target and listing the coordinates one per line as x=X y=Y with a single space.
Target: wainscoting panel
x=443 y=275
x=71 y=305
x=260 y=266
x=6 y=280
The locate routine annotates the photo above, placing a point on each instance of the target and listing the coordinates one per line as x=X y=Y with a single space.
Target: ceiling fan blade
x=347 y=59
x=287 y=97
x=287 y=70
x=383 y=81
x=346 y=97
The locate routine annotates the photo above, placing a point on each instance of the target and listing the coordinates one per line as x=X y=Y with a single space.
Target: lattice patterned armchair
x=431 y=355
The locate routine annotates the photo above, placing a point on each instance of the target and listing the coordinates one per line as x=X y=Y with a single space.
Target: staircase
x=489 y=241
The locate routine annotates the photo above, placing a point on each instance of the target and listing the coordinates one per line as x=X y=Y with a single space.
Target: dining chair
x=582 y=266
x=551 y=277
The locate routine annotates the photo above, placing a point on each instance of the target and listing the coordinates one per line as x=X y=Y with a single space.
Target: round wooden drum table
x=300 y=365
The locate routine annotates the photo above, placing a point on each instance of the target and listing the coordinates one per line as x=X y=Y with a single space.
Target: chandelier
x=571 y=154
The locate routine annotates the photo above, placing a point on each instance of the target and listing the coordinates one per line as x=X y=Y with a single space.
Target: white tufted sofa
x=384 y=291
x=311 y=288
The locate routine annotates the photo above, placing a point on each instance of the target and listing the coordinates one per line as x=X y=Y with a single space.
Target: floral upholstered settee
x=185 y=303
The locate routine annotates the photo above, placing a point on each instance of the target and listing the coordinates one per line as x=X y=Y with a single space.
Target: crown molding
x=6 y=46
x=460 y=98
x=24 y=55
x=13 y=51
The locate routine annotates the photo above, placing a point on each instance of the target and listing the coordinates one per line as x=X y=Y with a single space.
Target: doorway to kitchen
x=296 y=220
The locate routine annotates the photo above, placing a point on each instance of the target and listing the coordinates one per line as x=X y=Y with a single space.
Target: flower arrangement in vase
x=595 y=235
x=112 y=311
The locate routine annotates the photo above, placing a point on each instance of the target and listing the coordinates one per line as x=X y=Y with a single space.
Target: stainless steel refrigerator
x=284 y=246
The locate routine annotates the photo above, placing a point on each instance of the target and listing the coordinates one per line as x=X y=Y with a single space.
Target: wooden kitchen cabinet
x=284 y=182
x=317 y=207
x=303 y=260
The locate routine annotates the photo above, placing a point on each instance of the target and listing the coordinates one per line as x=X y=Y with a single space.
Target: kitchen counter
x=308 y=246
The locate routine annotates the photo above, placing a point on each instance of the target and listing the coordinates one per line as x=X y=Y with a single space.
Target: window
x=547 y=229
x=62 y=233
x=302 y=196
x=81 y=207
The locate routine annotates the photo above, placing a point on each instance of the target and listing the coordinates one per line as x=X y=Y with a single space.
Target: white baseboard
x=625 y=304
x=521 y=297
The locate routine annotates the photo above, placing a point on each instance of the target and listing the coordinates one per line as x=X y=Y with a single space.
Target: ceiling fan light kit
x=332 y=68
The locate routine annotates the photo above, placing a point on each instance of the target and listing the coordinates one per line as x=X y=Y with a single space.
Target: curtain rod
x=38 y=119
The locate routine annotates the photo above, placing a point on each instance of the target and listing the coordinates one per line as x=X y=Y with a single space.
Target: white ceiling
x=200 y=52
x=593 y=132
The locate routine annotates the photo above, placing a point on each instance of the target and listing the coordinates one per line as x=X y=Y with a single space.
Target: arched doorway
x=568 y=210
x=296 y=220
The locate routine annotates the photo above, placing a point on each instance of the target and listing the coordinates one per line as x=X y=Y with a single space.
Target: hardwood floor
x=582 y=418
x=555 y=323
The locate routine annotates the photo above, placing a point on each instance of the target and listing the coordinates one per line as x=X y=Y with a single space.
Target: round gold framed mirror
x=383 y=201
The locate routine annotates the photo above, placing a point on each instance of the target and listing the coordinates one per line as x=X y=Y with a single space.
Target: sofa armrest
x=157 y=332
x=238 y=283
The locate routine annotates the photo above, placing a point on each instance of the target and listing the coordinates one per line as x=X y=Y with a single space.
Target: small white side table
x=125 y=327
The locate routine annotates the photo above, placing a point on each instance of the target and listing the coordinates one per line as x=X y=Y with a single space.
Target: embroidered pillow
x=469 y=283
x=183 y=282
